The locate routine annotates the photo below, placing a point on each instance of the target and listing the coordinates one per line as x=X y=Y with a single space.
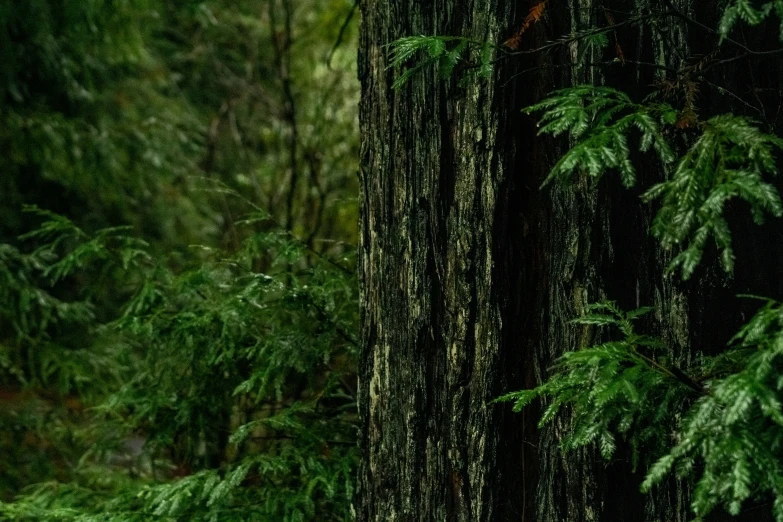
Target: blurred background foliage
x=178 y=302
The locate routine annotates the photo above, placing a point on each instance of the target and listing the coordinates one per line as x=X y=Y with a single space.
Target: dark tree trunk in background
x=470 y=273
x=595 y=245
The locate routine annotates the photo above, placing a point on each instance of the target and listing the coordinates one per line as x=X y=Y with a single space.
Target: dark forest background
x=178 y=218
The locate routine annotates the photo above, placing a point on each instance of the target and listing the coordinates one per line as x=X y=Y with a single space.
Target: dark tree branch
x=341 y=34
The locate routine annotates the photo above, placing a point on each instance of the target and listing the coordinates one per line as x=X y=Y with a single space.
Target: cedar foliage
x=177 y=293
x=265 y=359
x=443 y=53
x=728 y=160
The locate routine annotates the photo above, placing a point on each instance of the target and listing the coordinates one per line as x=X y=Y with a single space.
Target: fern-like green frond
x=598 y=121
x=735 y=430
x=749 y=13
x=616 y=387
x=442 y=52
x=727 y=425
x=729 y=160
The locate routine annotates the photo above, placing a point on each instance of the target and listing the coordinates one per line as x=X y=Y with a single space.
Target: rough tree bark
x=436 y=160
x=470 y=273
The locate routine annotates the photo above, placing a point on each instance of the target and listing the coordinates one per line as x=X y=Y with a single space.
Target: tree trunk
x=437 y=160
x=471 y=274
x=596 y=245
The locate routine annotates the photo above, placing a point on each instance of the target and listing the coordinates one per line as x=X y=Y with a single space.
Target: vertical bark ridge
x=597 y=246
x=432 y=170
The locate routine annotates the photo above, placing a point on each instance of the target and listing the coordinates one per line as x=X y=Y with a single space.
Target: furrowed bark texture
x=595 y=245
x=435 y=160
x=471 y=274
